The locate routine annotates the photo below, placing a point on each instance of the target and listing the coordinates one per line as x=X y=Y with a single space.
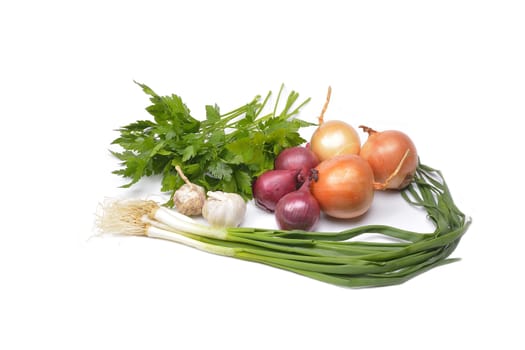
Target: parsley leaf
x=222 y=152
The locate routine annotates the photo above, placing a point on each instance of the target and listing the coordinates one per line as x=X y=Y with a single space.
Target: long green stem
x=330 y=257
x=389 y=231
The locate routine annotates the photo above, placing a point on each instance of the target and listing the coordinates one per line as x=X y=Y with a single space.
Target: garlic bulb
x=224 y=209
x=189 y=198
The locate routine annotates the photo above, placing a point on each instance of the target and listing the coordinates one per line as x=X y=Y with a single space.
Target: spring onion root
x=338 y=258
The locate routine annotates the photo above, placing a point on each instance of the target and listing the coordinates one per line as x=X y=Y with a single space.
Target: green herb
x=223 y=152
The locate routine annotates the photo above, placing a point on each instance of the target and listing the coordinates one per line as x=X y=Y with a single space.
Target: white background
x=449 y=73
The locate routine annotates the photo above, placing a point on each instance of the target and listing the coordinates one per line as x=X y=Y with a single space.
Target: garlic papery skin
x=189 y=199
x=224 y=209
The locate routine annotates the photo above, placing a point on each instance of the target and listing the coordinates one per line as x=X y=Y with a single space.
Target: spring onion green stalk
x=338 y=258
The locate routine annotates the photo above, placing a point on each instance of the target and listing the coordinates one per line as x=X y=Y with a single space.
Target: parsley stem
x=296 y=110
x=263 y=104
x=277 y=100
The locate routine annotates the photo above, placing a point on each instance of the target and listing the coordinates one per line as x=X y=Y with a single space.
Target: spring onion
x=339 y=258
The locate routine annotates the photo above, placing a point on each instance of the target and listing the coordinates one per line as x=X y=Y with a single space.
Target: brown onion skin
x=345 y=186
x=383 y=150
x=333 y=138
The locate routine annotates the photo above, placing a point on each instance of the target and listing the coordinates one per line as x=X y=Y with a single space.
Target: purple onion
x=272 y=185
x=298 y=210
x=296 y=158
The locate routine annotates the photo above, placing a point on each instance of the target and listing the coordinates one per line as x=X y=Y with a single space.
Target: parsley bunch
x=223 y=152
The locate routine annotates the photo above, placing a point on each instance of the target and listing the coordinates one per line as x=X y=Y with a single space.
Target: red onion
x=272 y=185
x=298 y=210
x=296 y=158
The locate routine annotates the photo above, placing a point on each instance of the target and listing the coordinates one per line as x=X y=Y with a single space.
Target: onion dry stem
x=325 y=106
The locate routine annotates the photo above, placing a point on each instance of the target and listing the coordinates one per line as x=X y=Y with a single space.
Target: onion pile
x=335 y=174
x=286 y=189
